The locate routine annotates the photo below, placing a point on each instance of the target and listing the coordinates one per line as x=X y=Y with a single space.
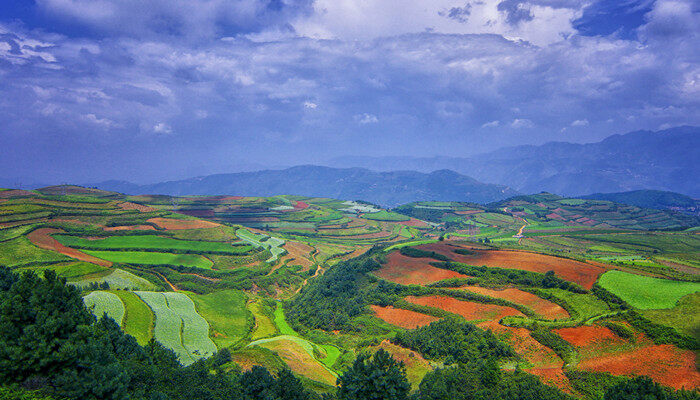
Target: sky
x=92 y=90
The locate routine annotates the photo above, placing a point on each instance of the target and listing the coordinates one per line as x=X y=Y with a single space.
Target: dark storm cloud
x=180 y=102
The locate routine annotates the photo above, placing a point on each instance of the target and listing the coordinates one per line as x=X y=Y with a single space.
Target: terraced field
x=645 y=292
x=178 y=326
x=152 y=258
x=102 y=303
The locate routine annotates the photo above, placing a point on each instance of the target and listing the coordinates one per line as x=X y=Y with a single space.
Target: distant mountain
x=384 y=188
x=663 y=160
x=657 y=199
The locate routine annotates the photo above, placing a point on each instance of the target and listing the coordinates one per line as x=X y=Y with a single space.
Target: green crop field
x=646 y=292
x=150 y=242
x=226 y=313
x=264 y=326
x=104 y=302
x=116 y=279
x=264 y=241
x=178 y=326
x=20 y=251
x=384 y=215
x=153 y=258
x=195 y=329
x=138 y=321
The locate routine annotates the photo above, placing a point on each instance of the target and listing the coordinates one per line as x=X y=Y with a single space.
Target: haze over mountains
x=664 y=160
x=385 y=188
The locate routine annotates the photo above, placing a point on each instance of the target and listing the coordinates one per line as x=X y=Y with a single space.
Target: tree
x=641 y=387
x=380 y=377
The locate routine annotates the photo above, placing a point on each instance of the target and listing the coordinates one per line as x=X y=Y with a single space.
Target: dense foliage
x=454 y=341
x=496 y=275
x=376 y=377
x=50 y=343
x=418 y=253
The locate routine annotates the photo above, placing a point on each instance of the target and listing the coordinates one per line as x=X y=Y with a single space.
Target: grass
x=117 y=279
x=20 y=251
x=281 y=322
x=226 y=313
x=69 y=270
x=645 y=292
x=411 y=243
x=178 y=326
x=684 y=317
x=264 y=326
x=138 y=321
x=384 y=215
x=586 y=305
x=104 y=302
x=153 y=258
x=151 y=242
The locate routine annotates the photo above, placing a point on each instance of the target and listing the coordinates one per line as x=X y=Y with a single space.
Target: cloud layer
x=188 y=87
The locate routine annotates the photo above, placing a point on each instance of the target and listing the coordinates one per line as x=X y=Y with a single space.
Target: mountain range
x=663 y=160
x=384 y=188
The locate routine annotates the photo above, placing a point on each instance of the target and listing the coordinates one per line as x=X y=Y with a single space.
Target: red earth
x=409 y=270
x=471 y=311
x=41 y=238
x=130 y=228
x=542 y=307
x=414 y=222
x=403 y=318
x=175 y=224
x=602 y=351
x=574 y=271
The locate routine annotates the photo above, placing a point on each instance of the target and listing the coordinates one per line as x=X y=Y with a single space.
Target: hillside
x=384 y=188
x=663 y=160
x=651 y=199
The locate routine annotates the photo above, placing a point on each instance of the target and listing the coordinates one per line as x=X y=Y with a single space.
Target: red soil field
x=133 y=206
x=603 y=351
x=587 y=335
x=408 y=270
x=41 y=238
x=130 y=228
x=546 y=364
x=542 y=307
x=403 y=318
x=175 y=224
x=200 y=213
x=470 y=310
x=665 y=364
x=574 y=271
x=552 y=376
x=300 y=205
x=414 y=222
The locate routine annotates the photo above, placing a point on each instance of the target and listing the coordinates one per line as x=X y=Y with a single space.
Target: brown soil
x=414 y=222
x=130 y=228
x=403 y=318
x=665 y=364
x=15 y=193
x=553 y=377
x=470 y=310
x=587 y=335
x=408 y=270
x=542 y=307
x=298 y=254
x=127 y=205
x=575 y=271
x=41 y=238
x=175 y=224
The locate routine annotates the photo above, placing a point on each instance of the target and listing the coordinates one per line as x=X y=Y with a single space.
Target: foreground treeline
x=51 y=347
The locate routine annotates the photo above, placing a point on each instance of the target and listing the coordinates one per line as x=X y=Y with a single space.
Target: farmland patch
x=101 y=303
x=403 y=318
x=471 y=311
x=408 y=270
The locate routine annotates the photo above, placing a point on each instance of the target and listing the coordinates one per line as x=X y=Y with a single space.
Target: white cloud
x=310 y=105
x=491 y=124
x=366 y=118
x=519 y=123
x=162 y=128
x=580 y=122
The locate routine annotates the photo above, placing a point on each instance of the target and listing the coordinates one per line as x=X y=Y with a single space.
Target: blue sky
x=147 y=91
